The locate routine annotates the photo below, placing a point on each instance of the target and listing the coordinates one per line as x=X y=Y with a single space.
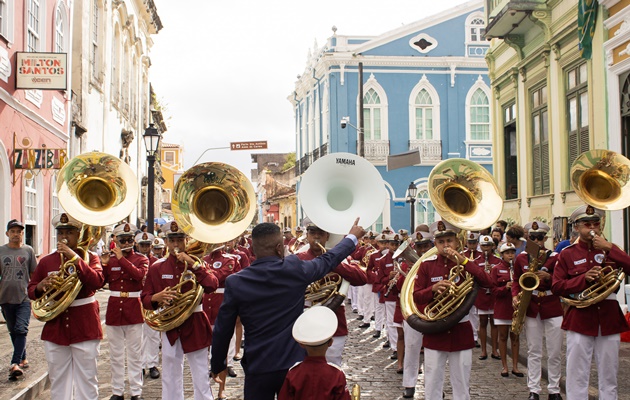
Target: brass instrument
x=392 y=282
x=356 y=392
x=330 y=291
x=97 y=189
x=528 y=282
x=213 y=203
x=601 y=178
x=464 y=194
x=299 y=242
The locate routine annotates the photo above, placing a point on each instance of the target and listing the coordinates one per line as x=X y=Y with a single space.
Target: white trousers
x=360 y=305
x=379 y=313
x=460 y=364
x=173 y=371
x=392 y=332
x=353 y=294
x=551 y=331
x=368 y=302
x=335 y=352
x=580 y=349
x=71 y=368
x=150 y=347
x=411 y=362
x=127 y=337
x=473 y=317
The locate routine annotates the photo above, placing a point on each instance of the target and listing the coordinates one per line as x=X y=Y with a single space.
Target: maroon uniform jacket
x=248 y=251
x=568 y=279
x=500 y=275
x=125 y=275
x=398 y=317
x=485 y=298
x=166 y=272
x=353 y=274
x=434 y=269
x=222 y=265
x=242 y=258
x=152 y=259
x=314 y=379
x=385 y=266
x=372 y=269
x=75 y=324
x=543 y=302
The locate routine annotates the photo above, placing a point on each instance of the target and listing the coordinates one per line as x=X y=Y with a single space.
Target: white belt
x=612 y=296
x=82 y=302
x=465 y=319
x=220 y=290
x=541 y=294
x=124 y=294
x=199 y=308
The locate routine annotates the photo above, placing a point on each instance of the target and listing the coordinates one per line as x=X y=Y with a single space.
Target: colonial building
x=34 y=119
x=110 y=82
x=275 y=181
x=172 y=163
x=548 y=106
x=425 y=86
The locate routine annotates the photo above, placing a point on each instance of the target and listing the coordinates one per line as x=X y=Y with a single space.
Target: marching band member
x=288 y=236
x=150 y=337
x=192 y=338
x=353 y=274
x=502 y=275
x=413 y=339
x=543 y=317
x=314 y=378
x=594 y=329
x=72 y=339
x=298 y=233
x=157 y=248
x=456 y=344
x=385 y=273
x=472 y=252
x=124 y=270
x=269 y=297
x=392 y=289
x=143 y=241
x=366 y=302
x=485 y=300
x=373 y=276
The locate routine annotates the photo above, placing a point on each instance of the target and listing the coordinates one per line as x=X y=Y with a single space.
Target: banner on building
x=43 y=158
x=587 y=15
x=44 y=71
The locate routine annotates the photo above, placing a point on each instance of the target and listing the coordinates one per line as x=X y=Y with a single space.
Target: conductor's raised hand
x=357 y=230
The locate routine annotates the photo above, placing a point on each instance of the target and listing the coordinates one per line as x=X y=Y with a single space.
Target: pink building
x=34 y=122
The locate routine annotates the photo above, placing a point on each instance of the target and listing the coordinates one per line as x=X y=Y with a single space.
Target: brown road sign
x=248 y=145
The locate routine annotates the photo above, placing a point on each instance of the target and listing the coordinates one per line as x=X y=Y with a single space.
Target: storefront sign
x=46 y=71
x=248 y=145
x=44 y=158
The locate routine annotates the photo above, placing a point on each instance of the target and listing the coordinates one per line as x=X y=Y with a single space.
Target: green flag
x=587 y=15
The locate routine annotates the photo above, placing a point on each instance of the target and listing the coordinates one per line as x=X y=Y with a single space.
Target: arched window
x=479 y=112
x=474 y=27
x=372 y=115
x=55 y=208
x=115 y=92
x=423 y=106
x=60 y=28
x=96 y=35
x=35 y=33
x=31 y=210
x=425 y=211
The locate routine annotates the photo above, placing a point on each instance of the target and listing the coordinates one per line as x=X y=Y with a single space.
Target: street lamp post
x=152 y=143
x=412 y=191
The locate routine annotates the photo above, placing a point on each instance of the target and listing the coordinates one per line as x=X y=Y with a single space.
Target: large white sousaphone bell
x=340 y=187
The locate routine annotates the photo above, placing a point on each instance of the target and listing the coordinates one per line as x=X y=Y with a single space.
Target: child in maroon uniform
x=314 y=378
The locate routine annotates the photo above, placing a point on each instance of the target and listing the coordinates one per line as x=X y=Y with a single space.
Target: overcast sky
x=224 y=69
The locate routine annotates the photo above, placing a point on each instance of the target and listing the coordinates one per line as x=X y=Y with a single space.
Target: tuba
x=213 y=203
x=601 y=178
x=464 y=194
x=98 y=189
x=528 y=282
x=333 y=192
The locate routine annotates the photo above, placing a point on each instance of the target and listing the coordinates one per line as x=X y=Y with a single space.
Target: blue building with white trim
x=425 y=86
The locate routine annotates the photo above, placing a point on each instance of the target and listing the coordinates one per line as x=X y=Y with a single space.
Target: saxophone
x=528 y=282
x=392 y=282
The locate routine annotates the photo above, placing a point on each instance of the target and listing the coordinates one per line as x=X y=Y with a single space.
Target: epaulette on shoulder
x=336 y=366
x=571 y=245
x=230 y=255
x=433 y=257
x=294 y=365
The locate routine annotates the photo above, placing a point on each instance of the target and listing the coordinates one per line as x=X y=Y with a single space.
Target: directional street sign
x=262 y=144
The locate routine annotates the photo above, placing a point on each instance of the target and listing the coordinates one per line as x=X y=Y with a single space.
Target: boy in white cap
x=594 y=329
x=124 y=270
x=544 y=313
x=157 y=248
x=72 y=339
x=454 y=345
x=485 y=300
x=314 y=378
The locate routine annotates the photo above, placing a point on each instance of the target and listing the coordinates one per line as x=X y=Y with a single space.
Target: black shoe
x=364 y=325
x=360 y=318
x=555 y=396
x=420 y=371
x=355 y=311
x=394 y=356
x=376 y=334
x=117 y=397
x=237 y=357
x=408 y=393
x=533 y=396
x=372 y=319
x=477 y=345
x=520 y=375
x=143 y=372
x=495 y=357
x=505 y=374
x=154 y=373
x=136 y=397
x=231 y=372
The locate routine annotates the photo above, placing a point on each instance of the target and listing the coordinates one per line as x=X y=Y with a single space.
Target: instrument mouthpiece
x=592 y=233
x=64 y=241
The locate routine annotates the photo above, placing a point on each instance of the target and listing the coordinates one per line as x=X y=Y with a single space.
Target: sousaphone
x=333 y=192
x=97 y=189
x=466 y=195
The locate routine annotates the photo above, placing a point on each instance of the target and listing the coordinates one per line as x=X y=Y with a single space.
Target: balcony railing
x=376 y=150
x=430 y=150
x=510 y=17
x=306 y=161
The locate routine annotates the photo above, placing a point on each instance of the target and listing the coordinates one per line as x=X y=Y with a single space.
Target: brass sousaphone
x=601 y=178
x=464 y=194
x=97 y=189
x=334 y=191
x=212 y=203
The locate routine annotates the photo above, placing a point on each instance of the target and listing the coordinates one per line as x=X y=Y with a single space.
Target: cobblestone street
x=365 y=363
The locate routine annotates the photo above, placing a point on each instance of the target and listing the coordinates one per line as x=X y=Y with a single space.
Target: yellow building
x=172 y=162
x=549 y=106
